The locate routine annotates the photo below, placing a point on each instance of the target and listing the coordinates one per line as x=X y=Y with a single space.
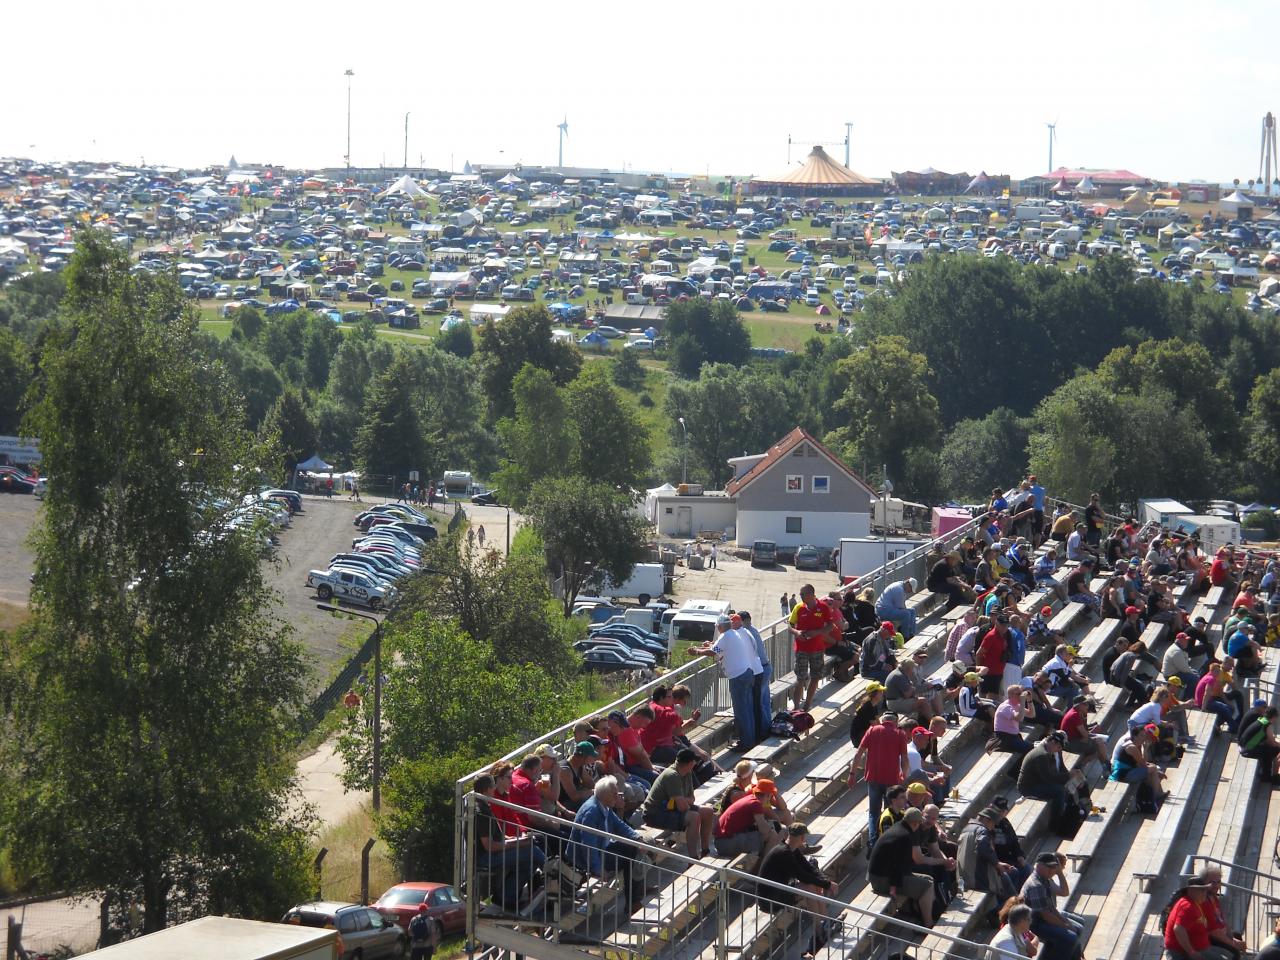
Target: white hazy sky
x=1171 y=89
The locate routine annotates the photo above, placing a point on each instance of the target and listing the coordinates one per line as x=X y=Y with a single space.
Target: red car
x=400 y=903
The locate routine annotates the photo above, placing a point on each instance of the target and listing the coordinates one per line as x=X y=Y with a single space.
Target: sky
x=1173 y=90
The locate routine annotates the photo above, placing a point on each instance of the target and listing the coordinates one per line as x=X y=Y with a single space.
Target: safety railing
x=572 y=884
x=1252 y=901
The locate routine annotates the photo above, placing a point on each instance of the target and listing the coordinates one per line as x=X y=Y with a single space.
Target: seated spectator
x=1082 y=738
x=1043 y=713
x=1064 y=521
x=893 y=867
x=1008 y=722
x=934 y=775
x=578 y=776
x=528 y=790
x=937 y=845
x=970 y=704
x=610 y=849
x=1077 y=549
x=1176 y=663
x=961 y=627
x=867 y=708
x=967 y=645
x=625 y=749
x=514 y=821
x=892 y=605
x=1044 y=776
x=1200 y=651
x=670 y=805
x=787 y=864
x=1018 y=559
x=985 y=577
x=1045 y=569
x=1008 y=845
x=1064 y=679
x=979 y=865
x=1038 y=632
x=1015 y=936
x=1222 y=571
x=1057 y=930
x=1111 y=599
x=774 y=803
x=680 y=697
x=1186 y=929
x=896 y=802
x=514 y=857
x=1257 y=740
x=1131 y=763
x=1078 y=590
x=658 y=736
x=878 y=657
x=944 y=577
x=1124 y=672
x=906 y=694
x=1153 y=713
x=1210 y=696
x=860 y=614
x=1219 y=933
x=744 y=828
x=1245 y=650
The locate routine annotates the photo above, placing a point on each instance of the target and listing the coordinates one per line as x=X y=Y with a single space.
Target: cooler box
x=946 y=519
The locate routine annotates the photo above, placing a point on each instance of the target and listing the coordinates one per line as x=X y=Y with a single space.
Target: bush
x=1264 y=520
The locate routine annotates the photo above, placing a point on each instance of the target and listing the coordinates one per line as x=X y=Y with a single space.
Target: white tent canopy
x=406 y=186
x=651 y=500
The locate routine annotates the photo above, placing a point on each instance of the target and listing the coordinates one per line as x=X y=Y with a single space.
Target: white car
x=352 y=586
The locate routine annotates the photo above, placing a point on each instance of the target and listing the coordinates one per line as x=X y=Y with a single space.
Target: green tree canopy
x=610 y=444
x=706 y=331
x=290 y=430
x=978 y=455
x=392 y=439
x=523 y=336
x=148 y=740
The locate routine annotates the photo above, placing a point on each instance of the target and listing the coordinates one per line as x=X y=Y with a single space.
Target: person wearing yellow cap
x=970 y=704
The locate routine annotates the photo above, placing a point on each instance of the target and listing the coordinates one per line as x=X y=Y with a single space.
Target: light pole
x=684 y=452
x=884 y=518
x=507 y=507
x=349 y=74
x=377 y=695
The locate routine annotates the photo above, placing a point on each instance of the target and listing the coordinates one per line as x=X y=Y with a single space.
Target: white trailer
x=860 y=555
x=1163 y=512
x=1214 y=532
x=225 y=938
x=695 y=622
x=646 y=579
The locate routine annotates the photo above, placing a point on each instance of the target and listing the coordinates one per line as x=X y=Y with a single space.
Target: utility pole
x=406 y=140
x=349 y=74
x=848 y=133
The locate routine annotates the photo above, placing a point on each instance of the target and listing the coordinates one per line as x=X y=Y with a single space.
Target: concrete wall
x=820 y=528
x=705 y=513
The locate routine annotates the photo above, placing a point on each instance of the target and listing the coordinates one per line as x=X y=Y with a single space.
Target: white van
x=695 y=622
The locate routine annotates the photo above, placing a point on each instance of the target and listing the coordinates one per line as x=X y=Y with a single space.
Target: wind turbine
x=1053 y=135
x=563 y=127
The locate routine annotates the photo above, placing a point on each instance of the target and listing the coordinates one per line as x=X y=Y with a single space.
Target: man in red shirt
x=744 y=828
x=1081 y=739
x=882 y=759
x=991 y=655
x=1220 y=571
x=812 y=625
x=1186 y=932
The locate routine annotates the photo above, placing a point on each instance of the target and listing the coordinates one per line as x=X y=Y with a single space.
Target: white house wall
x=822 y=529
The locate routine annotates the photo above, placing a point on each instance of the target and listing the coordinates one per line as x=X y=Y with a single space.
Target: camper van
x=1214 y=532
x=457 y=483
x=695 y=622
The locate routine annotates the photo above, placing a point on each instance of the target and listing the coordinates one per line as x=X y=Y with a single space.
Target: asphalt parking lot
x=757 y=589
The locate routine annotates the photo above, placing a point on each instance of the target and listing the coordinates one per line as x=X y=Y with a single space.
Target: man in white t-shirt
x=735 y=648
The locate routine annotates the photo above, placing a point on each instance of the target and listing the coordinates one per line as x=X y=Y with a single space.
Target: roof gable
x=782 y=449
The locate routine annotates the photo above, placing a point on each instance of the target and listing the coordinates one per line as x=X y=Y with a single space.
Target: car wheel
x=401 y=948
x=374 y=603
x=324 y=591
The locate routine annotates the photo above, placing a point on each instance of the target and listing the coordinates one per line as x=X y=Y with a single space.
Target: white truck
x=352 y=586
x=1214 y=532
x=227 y=938
x=1162 y=511
x=860 y=555
x=695 y=622
x=646 y=580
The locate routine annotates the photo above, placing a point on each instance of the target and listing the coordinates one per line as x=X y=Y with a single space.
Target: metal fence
x=328 y=698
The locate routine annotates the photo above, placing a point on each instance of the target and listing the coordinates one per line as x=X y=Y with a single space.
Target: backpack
x=1146 y=801
x=781 y=725
x=801 y=722
x=420 y=928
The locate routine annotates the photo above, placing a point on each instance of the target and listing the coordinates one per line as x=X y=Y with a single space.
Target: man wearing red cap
x=424 y=934
x=878 y=656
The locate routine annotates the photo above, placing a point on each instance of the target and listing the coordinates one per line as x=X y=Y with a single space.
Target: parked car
x=808 y=558
x=363 y=931
x=603 y=660
x=764 y=553
x=352 y=586
x=13 y=482
x=443 y=905
x=487 y=499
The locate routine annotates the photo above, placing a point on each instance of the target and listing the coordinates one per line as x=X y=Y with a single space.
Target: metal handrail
x=1188 y=870
x=726 y=873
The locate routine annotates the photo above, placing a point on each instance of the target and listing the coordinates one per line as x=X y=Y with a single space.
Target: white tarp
x=651 y=500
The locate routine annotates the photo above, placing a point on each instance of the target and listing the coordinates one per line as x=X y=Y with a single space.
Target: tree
x=626 y=370
x=1264 y=433
x=290 y=430
x=148 y=741
x=391 y=439
x=537 y=439
x=978 y=455
x=457 y=340
x=887 y=410
x=589 y=530
x=523 y=336
x=610 y=444
x=706 y=331
x=15 y=375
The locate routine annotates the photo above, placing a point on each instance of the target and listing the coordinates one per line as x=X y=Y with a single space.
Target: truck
x=859 y=556
x=695 y=622
x=228 y=938
x=1162 y=511
x=646 y=580
x=1214 y=532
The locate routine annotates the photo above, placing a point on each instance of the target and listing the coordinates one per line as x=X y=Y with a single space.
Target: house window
x=669 y=511
x=795 y=483
x=820 y=485
x=795 y=524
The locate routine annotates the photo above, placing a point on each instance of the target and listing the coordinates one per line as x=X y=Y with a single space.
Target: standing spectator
x=991 y=654
x=786 y=610
x=670 y=806
x=881 y=759
x=738 y=661
x=765 y=717
x=1095 y=521
x=1058 y=931
x=480 y=535
x=1037 y=515
x=714 y=555
x=894 y=861
x=355 y=490
x=892 y=605
x=812 y=628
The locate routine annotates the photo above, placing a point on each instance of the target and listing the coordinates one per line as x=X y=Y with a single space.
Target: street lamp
x=377 y=695
x=684 y=452
x=884 y=517
x=349 y=74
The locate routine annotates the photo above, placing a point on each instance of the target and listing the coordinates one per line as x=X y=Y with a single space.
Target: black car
x=13 y=482
x=604 y=660
x=487 y=499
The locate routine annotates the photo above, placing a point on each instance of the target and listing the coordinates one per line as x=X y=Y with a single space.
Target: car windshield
x=402 y=897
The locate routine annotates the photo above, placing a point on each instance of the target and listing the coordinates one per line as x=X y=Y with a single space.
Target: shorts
x=913 y=886
x=666 y=819
x=747 y=842
x=810 y=663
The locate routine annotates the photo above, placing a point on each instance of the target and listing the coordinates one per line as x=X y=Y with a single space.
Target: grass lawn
x=340 y=870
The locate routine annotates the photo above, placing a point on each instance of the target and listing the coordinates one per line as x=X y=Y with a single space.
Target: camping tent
x=1136 y=202
x=511 y=178
x=818 y=175
x=1086 y=187
x=314 y=465
x=404 y=187
x=1236 y=205
x=651 y=500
